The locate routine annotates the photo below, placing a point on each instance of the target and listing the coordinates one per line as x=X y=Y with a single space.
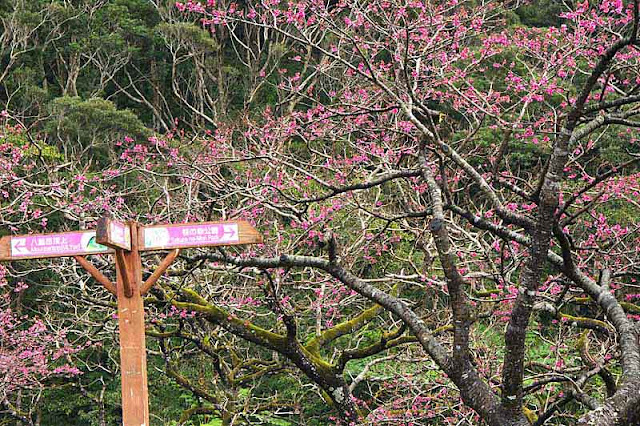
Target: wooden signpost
x=125 y=241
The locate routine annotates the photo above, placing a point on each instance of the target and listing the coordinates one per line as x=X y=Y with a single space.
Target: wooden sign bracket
x=96 y=274
x=162 y=267
x=111 y=288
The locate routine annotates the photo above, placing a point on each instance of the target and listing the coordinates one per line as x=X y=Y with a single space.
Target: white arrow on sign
x=19 y=246
x=229 y=230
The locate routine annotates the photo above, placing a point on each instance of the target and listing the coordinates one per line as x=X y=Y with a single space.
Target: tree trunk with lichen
x=329 y=379
x=622 y=409
x=325 y=375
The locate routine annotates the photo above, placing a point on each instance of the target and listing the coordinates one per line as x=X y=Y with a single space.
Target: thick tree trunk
x=73 y=71
x=622 y=409
x=511 y=420
x=102 y=419
x=158 y=124
x=477 y=395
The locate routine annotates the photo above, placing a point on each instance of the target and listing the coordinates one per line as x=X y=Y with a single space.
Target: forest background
x=448 y=192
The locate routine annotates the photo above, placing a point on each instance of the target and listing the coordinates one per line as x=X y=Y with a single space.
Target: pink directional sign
x=53 y=245
x=191 y=235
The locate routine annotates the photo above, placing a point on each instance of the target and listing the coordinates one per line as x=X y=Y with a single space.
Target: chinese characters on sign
x=54 y=245
x=190 y=235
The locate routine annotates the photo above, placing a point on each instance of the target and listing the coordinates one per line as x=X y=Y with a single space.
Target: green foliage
x=541 y=13
x=93 y=123
x=188 y=34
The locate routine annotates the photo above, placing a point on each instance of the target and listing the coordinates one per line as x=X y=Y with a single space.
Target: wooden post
x=133 y=359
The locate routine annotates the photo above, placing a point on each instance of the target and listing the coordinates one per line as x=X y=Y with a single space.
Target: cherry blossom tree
x=31 y=354
x=408 y=118
x=437 y=185
x=47 y=339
